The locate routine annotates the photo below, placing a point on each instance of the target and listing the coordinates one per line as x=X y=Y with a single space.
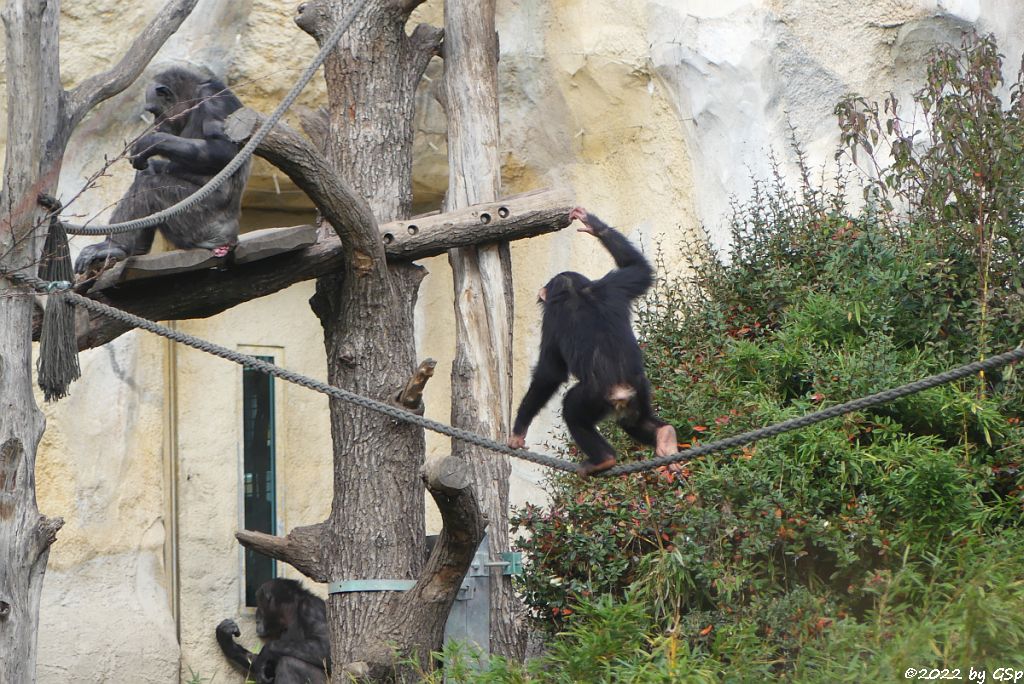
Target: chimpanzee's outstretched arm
x=548 y=376
x=634 y=274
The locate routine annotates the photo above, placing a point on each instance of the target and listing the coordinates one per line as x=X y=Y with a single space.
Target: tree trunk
x=482 y=371
x=377 y=517
x=33 y=91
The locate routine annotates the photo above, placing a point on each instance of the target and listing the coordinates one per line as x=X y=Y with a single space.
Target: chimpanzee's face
x=170 y=97
x=163 y=104
x=268 y=625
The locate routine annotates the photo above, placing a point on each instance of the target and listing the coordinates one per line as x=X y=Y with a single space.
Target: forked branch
x=347 y=212
x=416 y=618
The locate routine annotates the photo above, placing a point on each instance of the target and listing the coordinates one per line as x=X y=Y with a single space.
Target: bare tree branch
x=316 y=124
x=428 y=603
x=100 y=87
x=411 y=396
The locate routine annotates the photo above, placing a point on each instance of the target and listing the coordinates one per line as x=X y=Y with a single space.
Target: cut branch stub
x=411 y=396
x=448 y=476
x=449 y=483
x=301 y=549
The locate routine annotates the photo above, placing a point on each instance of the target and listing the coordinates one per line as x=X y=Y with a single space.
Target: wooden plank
x=260 y=244
x=512 y=218
x=167 y=263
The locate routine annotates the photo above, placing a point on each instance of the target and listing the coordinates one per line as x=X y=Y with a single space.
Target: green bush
x=889 y=530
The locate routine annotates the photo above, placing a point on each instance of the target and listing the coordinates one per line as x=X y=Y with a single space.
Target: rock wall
x=655 y=112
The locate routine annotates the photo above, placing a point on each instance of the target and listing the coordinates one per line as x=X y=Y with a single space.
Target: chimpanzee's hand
x=139 y=162
x=580 y=214
x=264 y=667
x=228 y=628
x=591 y=224
x=517 y=441
x=143 y=149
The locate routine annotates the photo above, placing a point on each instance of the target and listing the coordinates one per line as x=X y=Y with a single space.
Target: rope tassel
x=58 y=346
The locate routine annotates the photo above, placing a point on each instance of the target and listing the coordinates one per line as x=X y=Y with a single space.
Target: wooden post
x=482 y=371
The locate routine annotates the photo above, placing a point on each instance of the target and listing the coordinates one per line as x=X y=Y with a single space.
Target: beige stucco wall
x=653 y=112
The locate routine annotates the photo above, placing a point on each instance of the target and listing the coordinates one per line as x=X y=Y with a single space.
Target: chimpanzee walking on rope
x=586 y=332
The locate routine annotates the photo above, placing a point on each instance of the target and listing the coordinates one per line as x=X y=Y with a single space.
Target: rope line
x=480 y=441
x=243 y=155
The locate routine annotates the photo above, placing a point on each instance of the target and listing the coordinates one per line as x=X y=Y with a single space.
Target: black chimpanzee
x=586 y=332
x=189 y=138
x=292 y=622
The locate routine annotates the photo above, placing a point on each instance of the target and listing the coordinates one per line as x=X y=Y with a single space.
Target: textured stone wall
x=656 y=113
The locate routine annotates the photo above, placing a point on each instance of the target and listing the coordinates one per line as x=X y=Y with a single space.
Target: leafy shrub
x=855 y=527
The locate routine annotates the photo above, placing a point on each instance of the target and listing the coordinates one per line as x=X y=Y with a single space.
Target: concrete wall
x=654 y=112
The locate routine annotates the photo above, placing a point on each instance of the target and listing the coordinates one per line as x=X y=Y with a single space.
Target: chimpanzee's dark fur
x=292 y=622
x=190 y=111
x=586 y=332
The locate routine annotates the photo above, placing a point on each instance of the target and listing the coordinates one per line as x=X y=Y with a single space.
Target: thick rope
x=541 y=459
x=800 y=422
x=243 y=155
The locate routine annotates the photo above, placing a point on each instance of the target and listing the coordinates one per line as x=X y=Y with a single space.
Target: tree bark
x=418 y=616
x=40 y=119
x=482 y=371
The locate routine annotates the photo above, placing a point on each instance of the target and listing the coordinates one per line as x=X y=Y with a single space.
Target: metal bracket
x=513 y=563
x=466 y=592
x=350 y=586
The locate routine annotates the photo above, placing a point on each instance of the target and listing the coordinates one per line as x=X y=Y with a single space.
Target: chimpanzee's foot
x=666 y=441
x=223 y=250
x=589 y=468
x=98 y=257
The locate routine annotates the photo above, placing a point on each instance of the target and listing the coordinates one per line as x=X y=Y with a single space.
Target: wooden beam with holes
x=187 y=284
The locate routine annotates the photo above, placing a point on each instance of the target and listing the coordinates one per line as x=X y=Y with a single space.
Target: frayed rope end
x=58 y=345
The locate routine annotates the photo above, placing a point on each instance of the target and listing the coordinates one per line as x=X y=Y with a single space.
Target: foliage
x=857 y=547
